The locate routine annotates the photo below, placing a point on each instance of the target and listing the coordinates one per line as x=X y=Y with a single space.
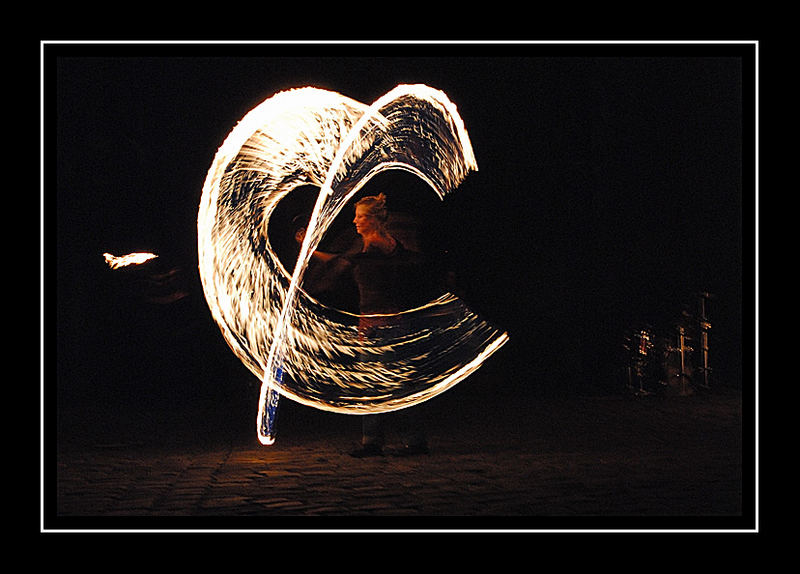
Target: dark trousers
x=408 y=423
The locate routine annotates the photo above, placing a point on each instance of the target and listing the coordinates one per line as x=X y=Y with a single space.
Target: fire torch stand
x=640 y=348
x=704 y=326
x=682 y=350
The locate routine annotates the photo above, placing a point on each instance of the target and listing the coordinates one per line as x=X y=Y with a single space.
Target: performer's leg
x=412 y=428
x=372 y=436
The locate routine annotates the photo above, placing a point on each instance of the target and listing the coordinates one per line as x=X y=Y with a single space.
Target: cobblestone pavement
x=596 y=462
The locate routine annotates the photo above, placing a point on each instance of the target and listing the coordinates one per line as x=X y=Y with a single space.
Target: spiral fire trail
x=298 y=347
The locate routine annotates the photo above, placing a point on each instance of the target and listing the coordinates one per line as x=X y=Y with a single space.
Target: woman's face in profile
x=365 y=222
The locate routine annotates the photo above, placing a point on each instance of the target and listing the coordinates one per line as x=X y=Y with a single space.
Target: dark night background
x=614 y=183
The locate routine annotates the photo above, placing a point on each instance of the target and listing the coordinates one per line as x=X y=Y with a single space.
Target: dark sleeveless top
x=388 y=282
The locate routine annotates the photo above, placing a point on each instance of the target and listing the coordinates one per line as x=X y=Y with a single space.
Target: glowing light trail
x=298 y=347
x=115 y=262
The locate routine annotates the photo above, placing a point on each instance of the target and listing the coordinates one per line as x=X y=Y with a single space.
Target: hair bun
x=376 y=205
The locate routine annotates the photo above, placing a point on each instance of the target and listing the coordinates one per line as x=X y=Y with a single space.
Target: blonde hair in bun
x=375 y=205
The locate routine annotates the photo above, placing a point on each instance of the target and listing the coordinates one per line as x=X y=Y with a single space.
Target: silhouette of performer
x=389 y=279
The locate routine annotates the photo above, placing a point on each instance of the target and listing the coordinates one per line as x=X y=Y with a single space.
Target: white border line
x=43 y=43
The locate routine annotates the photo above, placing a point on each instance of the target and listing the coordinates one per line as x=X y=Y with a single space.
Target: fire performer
x=384 y=272
x=390 y=278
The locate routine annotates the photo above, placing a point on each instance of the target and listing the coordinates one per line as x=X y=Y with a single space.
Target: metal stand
x=681 y=363
x=640 y=347
x=704 y=326
x=683 y=349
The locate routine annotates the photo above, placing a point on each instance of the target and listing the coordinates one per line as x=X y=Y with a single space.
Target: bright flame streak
x=115 y=262
x=322 y=138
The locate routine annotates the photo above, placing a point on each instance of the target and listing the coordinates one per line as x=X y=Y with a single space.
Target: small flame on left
x=115 y=262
